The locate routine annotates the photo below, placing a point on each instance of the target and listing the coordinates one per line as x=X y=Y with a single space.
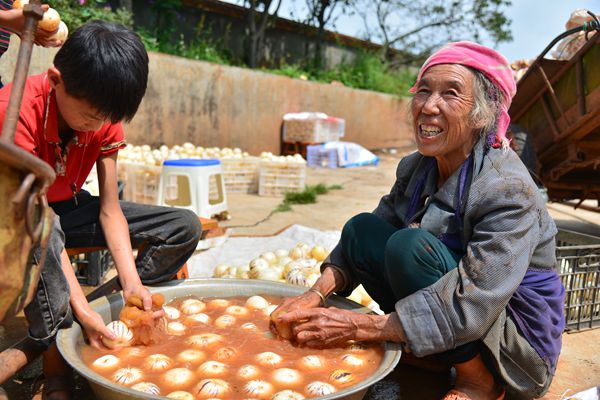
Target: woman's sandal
x=43 y=387
x=454 y=394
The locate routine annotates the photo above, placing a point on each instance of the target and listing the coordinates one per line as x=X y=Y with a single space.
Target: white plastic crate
x=277 y=177
x=141 y=183
x=320 y=156
x=240 y=174
x=312 y=128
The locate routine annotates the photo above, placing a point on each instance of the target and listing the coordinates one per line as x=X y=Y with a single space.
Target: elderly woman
x=460 y=255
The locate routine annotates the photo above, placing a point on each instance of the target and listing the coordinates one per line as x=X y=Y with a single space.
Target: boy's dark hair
x=105 y=64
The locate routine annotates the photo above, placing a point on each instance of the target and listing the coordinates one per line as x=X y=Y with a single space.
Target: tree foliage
x=77 y=12
x=322 y=14
x=419 y=26
x=260 y=13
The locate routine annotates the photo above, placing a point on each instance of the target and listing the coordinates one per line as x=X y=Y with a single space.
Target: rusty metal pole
x=33 y=13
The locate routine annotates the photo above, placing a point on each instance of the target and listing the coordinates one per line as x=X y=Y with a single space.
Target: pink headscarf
x=489 y=62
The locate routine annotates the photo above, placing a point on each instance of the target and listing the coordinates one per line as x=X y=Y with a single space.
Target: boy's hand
x=94 y=327
x=141 y=292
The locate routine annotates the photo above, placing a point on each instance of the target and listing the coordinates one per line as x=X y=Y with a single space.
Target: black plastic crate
x=578 y=257
x=90 y=268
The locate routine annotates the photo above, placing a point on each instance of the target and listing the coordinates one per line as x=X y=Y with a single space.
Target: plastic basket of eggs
x=300 y=265
x=218 y=344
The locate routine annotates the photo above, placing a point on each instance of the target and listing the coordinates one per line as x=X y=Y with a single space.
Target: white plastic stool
x=194 y=184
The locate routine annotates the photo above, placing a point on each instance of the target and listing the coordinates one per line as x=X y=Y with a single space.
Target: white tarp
x=236 y=251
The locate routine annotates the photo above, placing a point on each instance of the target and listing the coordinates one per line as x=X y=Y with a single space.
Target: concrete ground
x=579 y=364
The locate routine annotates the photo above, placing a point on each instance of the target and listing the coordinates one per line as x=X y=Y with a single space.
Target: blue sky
x=534 y=23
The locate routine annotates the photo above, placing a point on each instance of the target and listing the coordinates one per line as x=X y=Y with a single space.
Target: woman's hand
x=326 y=327
x=139 y=291
x=94 y=327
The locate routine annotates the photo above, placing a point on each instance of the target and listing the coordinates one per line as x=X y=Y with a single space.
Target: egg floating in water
x=221 y=360
x=259 y=389
x=192 y=306
x=106 y=363
x=147 y=387
x=212 y=388
x=181 y=395
x=127 y=376
x=287 y=395
x=319 y=389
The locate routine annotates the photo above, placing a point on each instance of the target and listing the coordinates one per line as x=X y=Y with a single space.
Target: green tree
x=258 y=18
x=416 y=27
x=322 y=14
x=77 y=12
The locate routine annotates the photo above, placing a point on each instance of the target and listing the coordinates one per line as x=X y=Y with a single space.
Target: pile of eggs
x=146 y=155
x=223 y=348
x=300 y=265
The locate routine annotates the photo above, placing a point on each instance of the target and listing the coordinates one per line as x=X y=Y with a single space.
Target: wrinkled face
x=440 y=111
x=78 y=114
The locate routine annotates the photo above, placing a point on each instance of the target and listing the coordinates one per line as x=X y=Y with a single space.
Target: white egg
x=204 y=340
x=296 y=253
x=157 y=362
x=242 y=271
x=257 y=302
x=181 y=395
x=312 y=363
x=290 y=266
x=191 y=356
x=226 y=354
x=259 y=389
x=237 y=311
x=212 y=369
x=220 y=270
x=319 y=253
x=269 y=274
x=267 y=311
x=106 y=363
x=352 y=361
x=270 y=257
x=225 y=321
x=198 y=318
x=341 y=376
x=283 y=261
x=127 y=376
x=218 y=303
x=296 y=277
x=176 y=328
x=287 y=395
x=147 y=387
x=171 y=312
x=178 y=377
x=257 y=265
x=208 y=388
x=319 y=389
x=249 y=326
x=248 y=372
x=280 y=253
x=123 y=335
x=192 y=306
x=268 y=359
x=287 y=376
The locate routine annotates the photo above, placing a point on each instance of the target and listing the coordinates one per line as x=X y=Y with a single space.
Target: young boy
x=70 y=117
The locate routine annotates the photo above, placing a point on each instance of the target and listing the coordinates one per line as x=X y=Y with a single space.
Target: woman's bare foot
x=475 y=381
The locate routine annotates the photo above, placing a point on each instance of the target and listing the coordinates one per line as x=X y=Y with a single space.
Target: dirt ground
x=579 y=364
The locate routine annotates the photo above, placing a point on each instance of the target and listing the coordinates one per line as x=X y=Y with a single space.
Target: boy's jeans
x=165 y=237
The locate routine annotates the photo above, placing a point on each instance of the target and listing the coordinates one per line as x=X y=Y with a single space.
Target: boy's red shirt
x=81 y=153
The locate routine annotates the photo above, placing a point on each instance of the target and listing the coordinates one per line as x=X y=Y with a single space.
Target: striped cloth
x=4 y=33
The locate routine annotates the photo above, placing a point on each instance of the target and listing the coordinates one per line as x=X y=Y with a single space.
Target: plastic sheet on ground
x=236 y=251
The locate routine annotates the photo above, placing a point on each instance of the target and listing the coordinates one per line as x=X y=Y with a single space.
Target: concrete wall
x=213 y=105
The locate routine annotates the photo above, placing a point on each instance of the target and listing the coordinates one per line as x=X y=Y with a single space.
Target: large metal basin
x=70 y=340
